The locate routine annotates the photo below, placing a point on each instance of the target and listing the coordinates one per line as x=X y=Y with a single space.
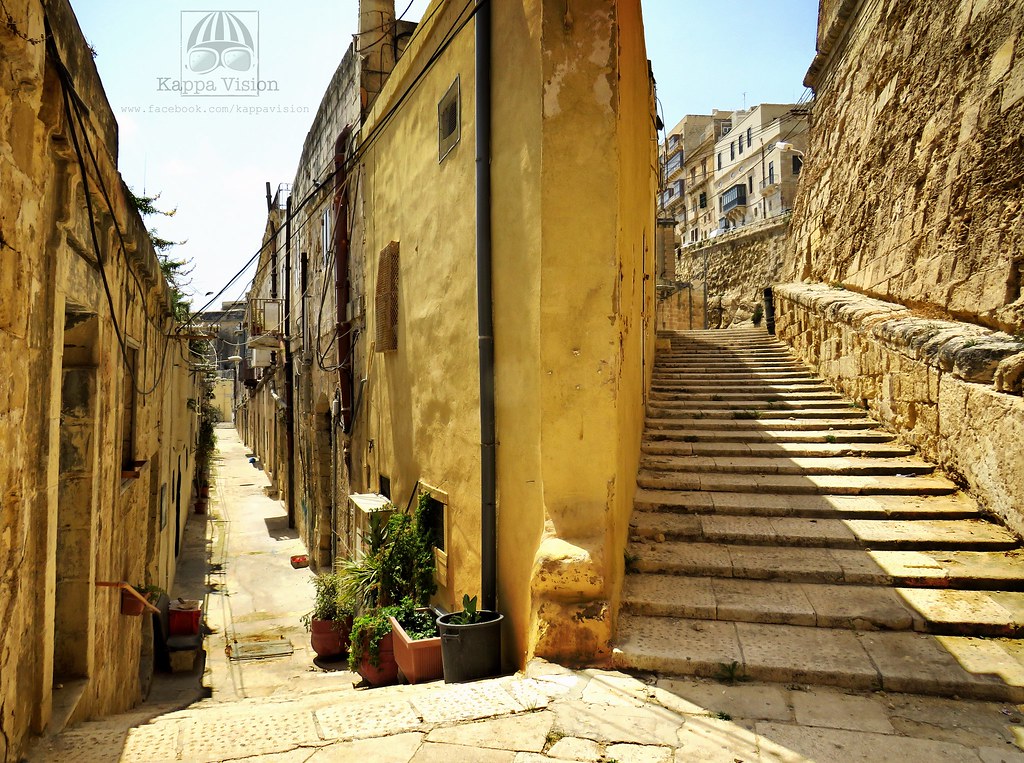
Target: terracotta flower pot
x=130 y=605
x=420 y=659
x=329 y=637
x=387 y=671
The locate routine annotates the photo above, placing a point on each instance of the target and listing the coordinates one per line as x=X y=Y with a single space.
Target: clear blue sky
x=213 y=167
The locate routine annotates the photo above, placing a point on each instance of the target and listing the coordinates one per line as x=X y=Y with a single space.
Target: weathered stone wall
x=912 y=189
x=682 y=309
x=74 y=303
x=739 y=267
x=950 y=389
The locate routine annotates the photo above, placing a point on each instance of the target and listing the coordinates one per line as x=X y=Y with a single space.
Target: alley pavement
x=265 y=698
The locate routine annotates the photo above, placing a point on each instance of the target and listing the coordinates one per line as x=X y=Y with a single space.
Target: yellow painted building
x=383 y=332
x=573 y=160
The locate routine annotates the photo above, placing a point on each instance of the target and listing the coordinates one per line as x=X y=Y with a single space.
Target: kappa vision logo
x=220 y=55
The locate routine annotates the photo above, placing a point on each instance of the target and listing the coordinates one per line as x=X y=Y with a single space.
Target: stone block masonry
x=738 y=267
x=912 y=188
x=934 y=382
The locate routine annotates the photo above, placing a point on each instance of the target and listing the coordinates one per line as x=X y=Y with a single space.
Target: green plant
x=416 y=622
x=630 y=560
x=398 y=563
x=150 y=592
x=723 y=716
x=830 y=438
x=328 y=602
x=469 y=613
x=731 y=672
x=758 y=314
x=368 y=631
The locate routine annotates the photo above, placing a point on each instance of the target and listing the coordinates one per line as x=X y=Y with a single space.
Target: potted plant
x=371 y=651
x=330 y=621
x=417 y=642
x=134 y=606
x=470 y=643
x=398 y=565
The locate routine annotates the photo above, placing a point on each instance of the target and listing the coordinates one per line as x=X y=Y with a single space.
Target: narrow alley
x=265 y=699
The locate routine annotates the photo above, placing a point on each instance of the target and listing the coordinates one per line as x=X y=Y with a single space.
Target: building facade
x=758 y=163
x=699 y=171
x=385 y=207
x=99 y=425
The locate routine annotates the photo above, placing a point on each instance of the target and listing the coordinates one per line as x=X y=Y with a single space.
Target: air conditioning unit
x=260 y=358
x=363 y=509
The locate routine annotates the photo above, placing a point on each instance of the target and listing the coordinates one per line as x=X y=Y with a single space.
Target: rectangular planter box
x=418 y=660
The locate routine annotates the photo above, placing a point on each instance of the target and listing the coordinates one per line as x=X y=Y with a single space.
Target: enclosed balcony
x=734 y=198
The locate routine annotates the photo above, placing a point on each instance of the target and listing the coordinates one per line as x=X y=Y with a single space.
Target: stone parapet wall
x=740 y=265
x=950 y=389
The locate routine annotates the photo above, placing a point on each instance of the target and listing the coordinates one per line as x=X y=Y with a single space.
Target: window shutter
x=386 y=304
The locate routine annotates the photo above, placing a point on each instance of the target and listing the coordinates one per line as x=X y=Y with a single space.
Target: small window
x=719 y=160
x=448 y=121
x=386 y=302
x=798 y=164
x=385 y=486
x=433 y=522
x=750 y=183
x=750 y=136
x=771 y=173
x=703 y=201
x=325 y=238
x=732 y=150
x=741 y=143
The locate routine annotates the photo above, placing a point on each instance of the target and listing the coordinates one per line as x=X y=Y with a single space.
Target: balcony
x=769 y=185
x=674 y=166
x=734 y=198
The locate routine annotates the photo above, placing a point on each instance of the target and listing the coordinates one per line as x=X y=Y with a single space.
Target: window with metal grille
x=448 y=122
x=386 y=303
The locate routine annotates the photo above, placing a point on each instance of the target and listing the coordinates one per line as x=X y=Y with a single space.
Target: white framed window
x=325 y=237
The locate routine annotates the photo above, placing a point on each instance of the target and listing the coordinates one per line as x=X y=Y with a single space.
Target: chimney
x=376 y=46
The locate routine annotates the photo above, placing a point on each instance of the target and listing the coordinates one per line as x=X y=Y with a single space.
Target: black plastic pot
x=471 y=652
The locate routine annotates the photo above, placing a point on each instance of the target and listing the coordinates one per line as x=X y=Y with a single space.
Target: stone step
x=981 y=570
x=767 y=377
x=747 y=386
x=955 y=506
x=710 y=366
x=796 y=465
x=778 y=449
x=656 y=425
x=926 y=534
x=767 y=393
x=824 y=484
x=985 y=669
x=755 y=414
x=947 y=611
x=859 y=433
x=793 y=406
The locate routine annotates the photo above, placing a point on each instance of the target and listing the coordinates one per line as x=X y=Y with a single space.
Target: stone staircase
x=780 y=534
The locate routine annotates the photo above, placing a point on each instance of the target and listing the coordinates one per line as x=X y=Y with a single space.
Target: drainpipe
x=485 y=312
x=289 y=390
x=342 y=286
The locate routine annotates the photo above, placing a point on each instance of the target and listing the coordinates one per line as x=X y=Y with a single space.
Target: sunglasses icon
x=204 y=59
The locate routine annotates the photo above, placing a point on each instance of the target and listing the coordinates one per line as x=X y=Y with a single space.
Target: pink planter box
x=418 y=660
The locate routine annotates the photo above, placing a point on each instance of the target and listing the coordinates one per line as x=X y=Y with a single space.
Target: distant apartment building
x=699 y=172
x=728 y=169
x=758 y=162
